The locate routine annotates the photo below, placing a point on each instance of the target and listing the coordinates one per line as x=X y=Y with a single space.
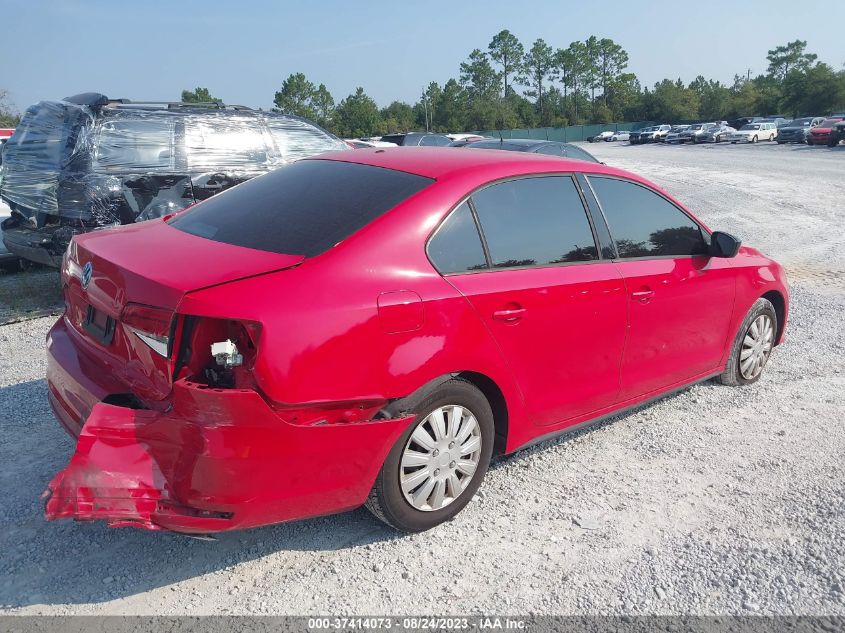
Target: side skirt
x=580 y=426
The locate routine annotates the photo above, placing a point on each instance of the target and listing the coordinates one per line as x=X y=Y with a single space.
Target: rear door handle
x=643 y=296
x=509 y=314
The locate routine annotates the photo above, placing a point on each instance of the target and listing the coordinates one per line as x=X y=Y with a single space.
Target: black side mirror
x=724 y=244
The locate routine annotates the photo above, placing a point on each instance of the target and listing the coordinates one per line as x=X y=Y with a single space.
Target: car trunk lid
x=123 y=287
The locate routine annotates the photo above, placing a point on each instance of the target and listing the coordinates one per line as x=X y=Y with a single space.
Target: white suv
x=753 y=132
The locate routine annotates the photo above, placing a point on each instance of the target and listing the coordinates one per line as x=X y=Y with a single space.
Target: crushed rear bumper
x=213 y=460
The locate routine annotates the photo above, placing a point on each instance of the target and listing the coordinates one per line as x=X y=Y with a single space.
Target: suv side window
x=135 y=144
x=456 y=246
x=644 y=223
x=535 y=222
x=429 y=140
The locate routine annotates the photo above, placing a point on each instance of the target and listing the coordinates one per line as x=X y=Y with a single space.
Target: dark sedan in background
x=798 y=130
x=550 y=148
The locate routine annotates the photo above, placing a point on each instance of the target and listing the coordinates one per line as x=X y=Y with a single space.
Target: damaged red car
x=370 y=327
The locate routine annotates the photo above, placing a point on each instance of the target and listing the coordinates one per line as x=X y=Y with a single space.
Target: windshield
x=754 y=126
x=302 y=209
x=799 y=122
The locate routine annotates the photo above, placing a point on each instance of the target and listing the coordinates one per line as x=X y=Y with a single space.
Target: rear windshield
x=302 y=209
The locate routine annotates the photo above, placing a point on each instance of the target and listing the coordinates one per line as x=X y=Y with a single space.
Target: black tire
x=732 y=375
x=753 y=139
x=781 y=142
x=386 y=500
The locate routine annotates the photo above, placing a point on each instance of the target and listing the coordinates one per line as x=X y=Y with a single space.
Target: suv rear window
x=302 y=209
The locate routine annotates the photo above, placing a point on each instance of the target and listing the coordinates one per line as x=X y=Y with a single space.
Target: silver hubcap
x=756 y=347
x=440 y=458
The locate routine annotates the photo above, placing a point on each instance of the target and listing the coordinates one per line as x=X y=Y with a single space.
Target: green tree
x=322 y=103
x=671 y=101
x=450 y=108
x=481 y=83
x=398 y=117
x=507 y=51
x=539 y=65
x=357 y=115
x=624 y=98
x=819 y=90
x=199 y=95
x=612 y=61
x=578 y=60
x=791 y=56
x=296 y=97
x=592 y=75
x=8 y=115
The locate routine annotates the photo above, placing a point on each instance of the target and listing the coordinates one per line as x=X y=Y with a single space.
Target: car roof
x=440 y=162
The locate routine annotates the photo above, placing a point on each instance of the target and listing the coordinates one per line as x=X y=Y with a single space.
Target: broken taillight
x=150 y=324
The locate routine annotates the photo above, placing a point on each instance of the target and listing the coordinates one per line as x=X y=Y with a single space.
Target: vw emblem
x=87 y=271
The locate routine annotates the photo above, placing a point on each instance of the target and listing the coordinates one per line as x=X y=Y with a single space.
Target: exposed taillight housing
x=220 y=352
x=151 y=325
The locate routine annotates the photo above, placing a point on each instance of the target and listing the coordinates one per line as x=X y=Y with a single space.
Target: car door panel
x=561 y=329
x=680 y=300
x=679 y=311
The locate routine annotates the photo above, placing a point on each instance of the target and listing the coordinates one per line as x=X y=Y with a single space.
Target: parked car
x=753 y=132
x=412 y=139
x=5 y=134
x=675 y=135
x=531 y=146
x=466 y=141
x=634 y=138
x=465 y=136
x=621 y=135
x=655 y=134
x=467 y=287
x=745 y=120
x=716 y=134
x=820 y=135
x=695 y=132
x=601 y=136
x=798 y=130
x=837 y=134
x=358 y=143
x=88 y=162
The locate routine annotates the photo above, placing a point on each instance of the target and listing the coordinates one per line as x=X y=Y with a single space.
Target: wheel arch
x=779 y=303
x=486 y=385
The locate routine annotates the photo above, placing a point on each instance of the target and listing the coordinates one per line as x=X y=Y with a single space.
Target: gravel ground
x=717 y=500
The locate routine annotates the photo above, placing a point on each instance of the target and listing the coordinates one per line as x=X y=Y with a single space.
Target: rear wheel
x=438 y=463
x=771 y=137
x=753 y=345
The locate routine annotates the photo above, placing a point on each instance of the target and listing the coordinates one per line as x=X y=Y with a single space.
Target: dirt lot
x=716 y=500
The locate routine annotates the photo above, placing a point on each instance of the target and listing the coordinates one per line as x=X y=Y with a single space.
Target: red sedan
x=820 y=134
x=371 y=327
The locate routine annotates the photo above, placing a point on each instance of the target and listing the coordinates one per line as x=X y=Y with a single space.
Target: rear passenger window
x=456 y=247
x=645 y=224
x=535 y=222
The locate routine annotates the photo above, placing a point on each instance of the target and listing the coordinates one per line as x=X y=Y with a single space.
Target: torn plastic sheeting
x=112 y=474
x=121 y=164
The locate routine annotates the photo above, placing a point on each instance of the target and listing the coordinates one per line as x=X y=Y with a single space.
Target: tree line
x=510 y=85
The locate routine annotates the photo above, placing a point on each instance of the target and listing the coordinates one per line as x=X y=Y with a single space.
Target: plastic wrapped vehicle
x=87 y=162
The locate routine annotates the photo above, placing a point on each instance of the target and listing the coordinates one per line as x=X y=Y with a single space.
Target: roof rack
x=174 y=105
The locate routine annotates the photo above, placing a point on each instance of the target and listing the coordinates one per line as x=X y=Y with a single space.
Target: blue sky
x=241 y=51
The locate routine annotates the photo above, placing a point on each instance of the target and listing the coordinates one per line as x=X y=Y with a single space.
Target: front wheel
x=753 y=345
x=438 y=463
x=754 y=139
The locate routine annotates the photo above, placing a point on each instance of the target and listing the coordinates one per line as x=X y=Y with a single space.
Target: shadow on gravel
x=29 y=294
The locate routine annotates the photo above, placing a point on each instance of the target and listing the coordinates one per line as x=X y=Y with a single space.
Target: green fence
x=567 y=134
